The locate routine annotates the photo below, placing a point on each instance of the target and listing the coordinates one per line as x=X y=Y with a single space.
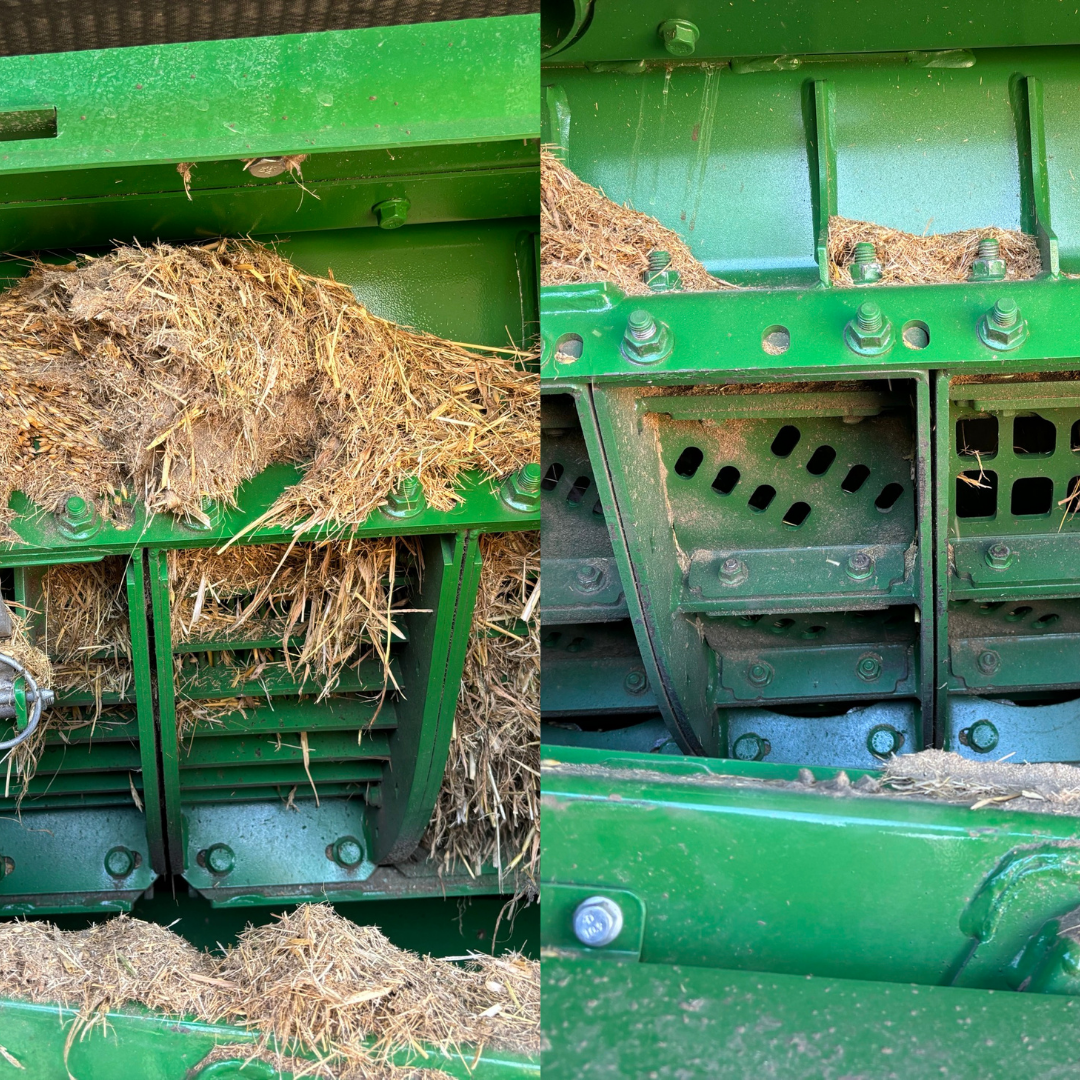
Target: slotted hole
x=552 y=477
x=761 y=498
x=577 y=644
x=578 y=489
x=781 y=626
x=812 y=632
x=688 y=462
x=1018 y=613
x=1071 y=505
x=1046 y=620
x=1074 y=437
x=797 y=513
x=787 y=438
x=1032 y=496
x=888 y=497
x=977 y=435
x=598 y=509
x=748 y=620
x=855 y=479
x=819 y=463
x=552 y=639
x=1033 y=435
x=976 y=494
x=726 y=479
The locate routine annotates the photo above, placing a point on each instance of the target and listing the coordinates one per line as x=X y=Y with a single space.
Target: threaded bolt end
x=658 y=260
x=865 y=252
x=641 y=324
x=529 y=478
x=989 y=248
x=1005 y=313
x=869 y=318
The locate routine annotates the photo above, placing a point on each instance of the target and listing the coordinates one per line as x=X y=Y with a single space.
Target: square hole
x=1032 y=496
x=1033 y=435
x=976 y=494
x=977 y=435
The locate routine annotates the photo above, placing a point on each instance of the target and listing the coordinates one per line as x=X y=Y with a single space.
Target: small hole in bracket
x=787 y=438
x=821 y=461
x=761 y=498
x=1046 y=621
x=1033 y=435
x=916 y=334
x=855 y=479
x=797 y=513
x=976 y=494
x=1032 y=496
x=890 y=493
x=776 y=340
x=726 y=479
x=689 y=461
x=977 y=436
x=569 y=348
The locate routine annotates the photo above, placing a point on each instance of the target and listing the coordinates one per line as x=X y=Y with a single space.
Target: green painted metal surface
x=605 y=1019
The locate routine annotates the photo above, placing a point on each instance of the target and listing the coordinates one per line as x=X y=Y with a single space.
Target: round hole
x=916 y=334
x=568 y=348
x=776 y=340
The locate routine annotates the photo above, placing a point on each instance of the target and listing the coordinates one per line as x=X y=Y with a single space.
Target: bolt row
x=859 y=567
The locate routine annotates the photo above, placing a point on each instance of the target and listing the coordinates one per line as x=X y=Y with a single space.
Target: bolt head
x=860 y=566
x=220 y=859
x=869 y=667
x=598 y=921
x=998 y=337
x=636 y=682
x=589 y=578
x=348 y=852
x=119 y=862
x=392 y=213
x=982 y=736
x=884 y=741
x=988 y=662
x=733 y=571
x=760 y=673
x=679 y=37
x=999 y=556
x=750 y=747
x=267 y=167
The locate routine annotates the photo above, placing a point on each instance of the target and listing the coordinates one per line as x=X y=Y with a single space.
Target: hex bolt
x=869 y=667
x=999 y=556
x=119 y=862
x=760 y=673
x=265 y=167
x=988 y=662
x=733 y=571
x=391 y=213
x=406 y=500
x=884 y=740
x=860 y=566
x=521 y=490
x=598 y=921
x=1002 y=327
x=645 y=340
x=78 y=520
x=589 y=578
x=869 y=333
x=982 y=736
x=865 y=269
x=636 y=682
x=679 y=36
x=348 y=852
x=750 y=747
x=219 y=859
x=988 y=265
x=659 y=276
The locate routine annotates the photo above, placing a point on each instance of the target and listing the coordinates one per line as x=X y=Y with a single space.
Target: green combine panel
x=841 y=508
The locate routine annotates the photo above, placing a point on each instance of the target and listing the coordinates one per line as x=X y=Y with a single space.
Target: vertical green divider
x=166 y=707
x=942 y=477
x=926 y=597
x=825 y=199
x=432 y=670
x=135 y=577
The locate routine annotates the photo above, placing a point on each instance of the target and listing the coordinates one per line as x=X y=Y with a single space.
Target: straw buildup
x=310 y=981
x=585 y=237
x=934 y=259
x=173 y=374
x=489 y=806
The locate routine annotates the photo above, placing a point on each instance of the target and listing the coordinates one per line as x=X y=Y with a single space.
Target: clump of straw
x=585 y=237
x=935 y=259
x=174 y=374
x=489 y=806
x=311 y=982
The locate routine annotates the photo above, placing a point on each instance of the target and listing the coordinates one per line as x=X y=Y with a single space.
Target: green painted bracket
x=293 y=94
x=803 y=880
x=156 y=1047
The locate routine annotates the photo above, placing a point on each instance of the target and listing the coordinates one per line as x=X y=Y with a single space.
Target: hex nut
x=869 y=333
x=645 y=340
x=679 y=36
x=750 y=747
x=220 y=859
x=348 y=852
x=1003 y=327
x=391 y=213
x=119 y=862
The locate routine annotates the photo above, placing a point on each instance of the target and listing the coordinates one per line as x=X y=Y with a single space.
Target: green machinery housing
x=424 y=202
x=804 y=526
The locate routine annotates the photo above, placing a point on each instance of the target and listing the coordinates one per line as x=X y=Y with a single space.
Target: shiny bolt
x=865 y=270
x=884 y=741
x=869 y=667
x=988 y=264
x=1002 y=327
x=988 y=662
x=636 y=682
x=998 y=556
x=521 y=490
x=598 y=921
x=391 y=213
x=220 y=859
x=589 y=578
x=869 y=333
x=348 y=852
x=119 y=862
x=645 y=341
x=750 y=747
x=982 y=736
x=860 y=566
x=679 y=36
x=760 y=673
x=659 y=276
x=733 y=571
